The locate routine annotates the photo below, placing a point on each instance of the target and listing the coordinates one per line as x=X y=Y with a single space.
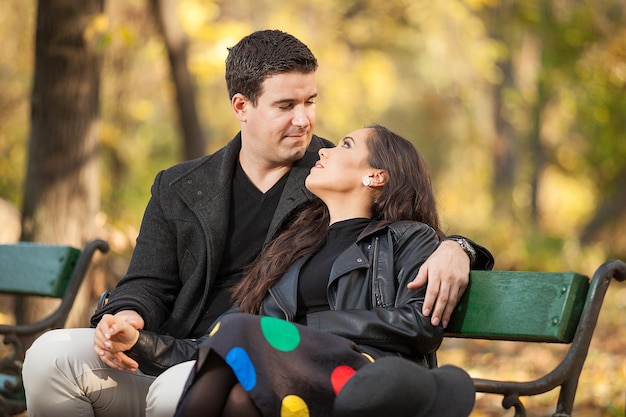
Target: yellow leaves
x=210 y=47
x=458 y=188
x=481 y=4
x=141 y=109
x=6 y=317
x=196 y=17
x=425 y=68
x=99 y=24
x=452 y=46
x=126 y=34
x=379 y=80
x=346 y=77
x=565 y=203
x=601 y=114
x=96 y=31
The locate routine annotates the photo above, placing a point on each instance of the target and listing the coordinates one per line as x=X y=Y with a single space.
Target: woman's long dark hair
x=407 y=195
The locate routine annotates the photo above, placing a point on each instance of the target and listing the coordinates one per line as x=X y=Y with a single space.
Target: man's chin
x=300 y=146
x=297 y=154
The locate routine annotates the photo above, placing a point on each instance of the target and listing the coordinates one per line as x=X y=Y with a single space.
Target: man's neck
x=263 y=176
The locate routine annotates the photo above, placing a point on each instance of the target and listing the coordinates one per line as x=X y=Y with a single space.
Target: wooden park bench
x=539 y=307
x=38 y=269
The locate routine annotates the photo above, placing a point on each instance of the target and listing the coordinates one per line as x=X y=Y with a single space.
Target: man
x=206 y=220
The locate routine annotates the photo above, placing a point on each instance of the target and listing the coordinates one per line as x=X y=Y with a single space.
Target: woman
x=339 y=270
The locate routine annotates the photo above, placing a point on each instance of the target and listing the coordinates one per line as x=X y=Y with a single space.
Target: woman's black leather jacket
x=369 y=301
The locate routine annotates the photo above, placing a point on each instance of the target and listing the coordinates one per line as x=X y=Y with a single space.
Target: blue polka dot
x=239 y=360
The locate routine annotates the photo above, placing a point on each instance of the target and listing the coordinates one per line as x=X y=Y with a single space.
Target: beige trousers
x=63 y=377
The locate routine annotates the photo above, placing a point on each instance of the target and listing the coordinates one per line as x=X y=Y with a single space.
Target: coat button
x=359 y=260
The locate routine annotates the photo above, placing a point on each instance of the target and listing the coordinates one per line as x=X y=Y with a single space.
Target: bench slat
x=520 y=306
x=36 y=269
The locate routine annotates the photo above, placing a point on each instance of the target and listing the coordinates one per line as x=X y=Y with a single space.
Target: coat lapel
x=206 y=190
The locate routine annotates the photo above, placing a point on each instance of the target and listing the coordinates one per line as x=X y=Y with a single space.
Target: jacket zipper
x=374 y=273
x=279 y=304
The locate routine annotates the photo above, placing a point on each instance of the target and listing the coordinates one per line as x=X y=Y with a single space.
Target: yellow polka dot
x=369 y=358
x=294 y=406
x=215 y=328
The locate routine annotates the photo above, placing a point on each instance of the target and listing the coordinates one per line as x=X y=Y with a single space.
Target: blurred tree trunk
x=61 y=192
x=610 y=210
x=504 y=155
x=537 y=151
x=504 y=150
x=176 y=43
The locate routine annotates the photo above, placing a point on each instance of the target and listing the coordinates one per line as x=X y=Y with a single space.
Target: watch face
x=467 y=248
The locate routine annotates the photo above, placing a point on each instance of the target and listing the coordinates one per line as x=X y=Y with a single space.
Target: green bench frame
x=46 y=270
x=535 y=307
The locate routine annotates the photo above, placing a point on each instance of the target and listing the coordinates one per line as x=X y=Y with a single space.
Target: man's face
x=278 y=130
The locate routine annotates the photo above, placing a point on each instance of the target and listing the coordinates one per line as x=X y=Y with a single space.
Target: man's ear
x=379 y=178
x=240 y=105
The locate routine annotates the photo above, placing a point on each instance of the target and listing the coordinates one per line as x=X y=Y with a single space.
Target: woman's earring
x=367 y=181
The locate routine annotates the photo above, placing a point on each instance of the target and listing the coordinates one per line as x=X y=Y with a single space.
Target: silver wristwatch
x=466 y=246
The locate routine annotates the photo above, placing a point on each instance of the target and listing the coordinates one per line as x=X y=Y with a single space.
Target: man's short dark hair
x=262 y=54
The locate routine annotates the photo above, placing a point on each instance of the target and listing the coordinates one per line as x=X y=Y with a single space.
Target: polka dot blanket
x=287 y=369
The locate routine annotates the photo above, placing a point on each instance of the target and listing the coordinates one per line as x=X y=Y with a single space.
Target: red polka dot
x=340 y=376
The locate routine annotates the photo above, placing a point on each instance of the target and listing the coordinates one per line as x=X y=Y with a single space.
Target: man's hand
x=116 y=334
x=446 y=274
x=131 y=317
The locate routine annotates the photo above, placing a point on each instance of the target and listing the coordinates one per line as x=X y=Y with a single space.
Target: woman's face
x=342 y=169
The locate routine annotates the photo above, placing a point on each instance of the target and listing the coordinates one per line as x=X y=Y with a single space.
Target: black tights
x=215 y=392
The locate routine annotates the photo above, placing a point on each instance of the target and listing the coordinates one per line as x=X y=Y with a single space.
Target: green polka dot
x=280 y=334
x=294 y=406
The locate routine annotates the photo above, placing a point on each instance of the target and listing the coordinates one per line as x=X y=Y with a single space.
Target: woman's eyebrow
x=350 y=138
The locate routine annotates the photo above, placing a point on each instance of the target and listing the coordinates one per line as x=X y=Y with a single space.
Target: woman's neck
x=345 y=210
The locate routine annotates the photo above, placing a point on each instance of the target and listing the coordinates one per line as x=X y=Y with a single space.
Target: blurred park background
x=518 y=106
